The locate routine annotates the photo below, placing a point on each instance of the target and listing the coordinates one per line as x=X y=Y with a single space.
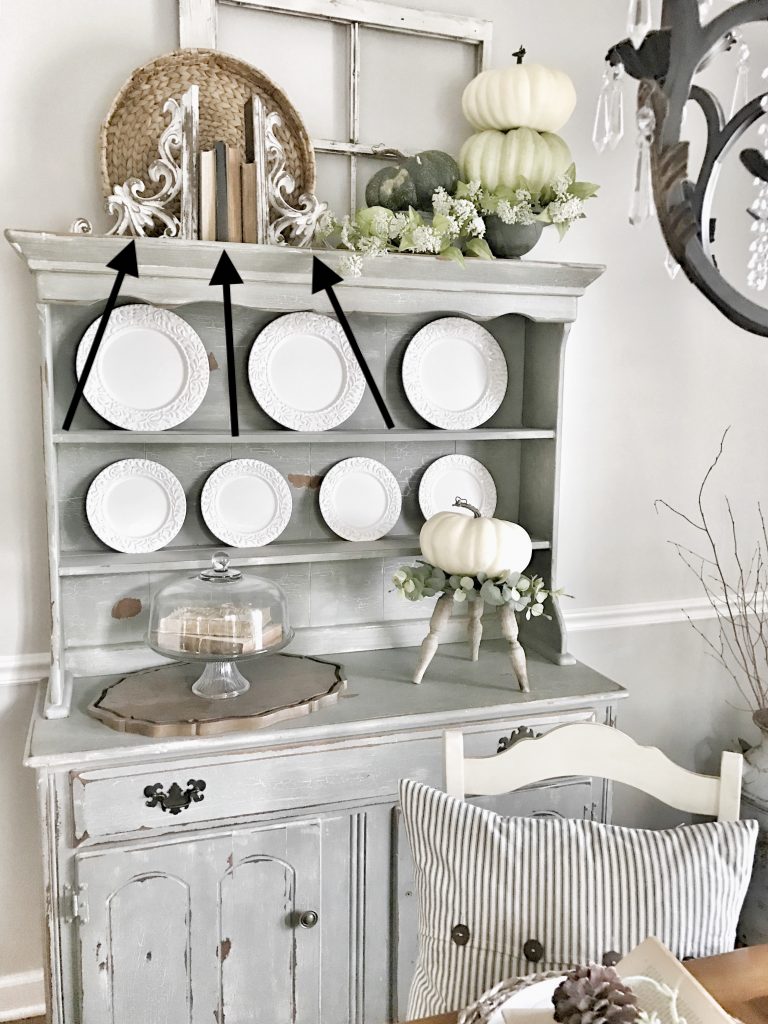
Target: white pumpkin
x=466 y=546
x=522 y=96
x=502 y=158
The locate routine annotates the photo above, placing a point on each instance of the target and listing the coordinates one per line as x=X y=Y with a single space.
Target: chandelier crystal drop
x=671 y=266
x=608 y=128
x=741 y=88
x=639 y=20
x=642 y=207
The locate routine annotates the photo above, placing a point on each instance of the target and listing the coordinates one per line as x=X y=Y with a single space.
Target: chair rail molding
x=19 y=669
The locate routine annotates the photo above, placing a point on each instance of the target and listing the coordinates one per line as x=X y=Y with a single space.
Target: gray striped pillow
x=571 y=891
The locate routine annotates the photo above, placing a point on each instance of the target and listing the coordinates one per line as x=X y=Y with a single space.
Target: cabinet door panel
x=269 y=964
x=136 y=944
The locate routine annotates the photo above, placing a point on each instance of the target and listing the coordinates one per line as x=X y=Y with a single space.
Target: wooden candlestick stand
x=509 y=628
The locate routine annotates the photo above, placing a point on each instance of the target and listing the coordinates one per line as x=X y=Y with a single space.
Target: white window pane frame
x=198 y=28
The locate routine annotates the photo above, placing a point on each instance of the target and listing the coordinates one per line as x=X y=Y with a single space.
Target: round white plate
x=303 y=372
x=457 y=476
x=454 y=373
x=246 y=503
x=136 y=506
x=151 y=371
x=360 y=499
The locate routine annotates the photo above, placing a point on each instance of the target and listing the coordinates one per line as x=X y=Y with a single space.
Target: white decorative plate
x=246 y=503
x=457 y=476
x=151 y=371
x=454 y=373
x=136 y=506
x=360 y=499
x=303 y=372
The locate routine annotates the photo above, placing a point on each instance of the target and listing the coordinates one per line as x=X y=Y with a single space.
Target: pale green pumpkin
x=503 y=158
x=521 y=96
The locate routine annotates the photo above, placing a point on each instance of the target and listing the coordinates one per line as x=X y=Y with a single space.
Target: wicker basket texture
x=132 y=128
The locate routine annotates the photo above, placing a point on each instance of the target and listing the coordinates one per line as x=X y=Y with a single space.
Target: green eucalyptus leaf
x=479 y=247
x=583 y=189
x=452 y=253
x=562 y=229
x=491 y=594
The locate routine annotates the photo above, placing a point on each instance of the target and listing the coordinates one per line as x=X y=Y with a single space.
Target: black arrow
x=124 y=263
x=226 y=275
x=323 y=280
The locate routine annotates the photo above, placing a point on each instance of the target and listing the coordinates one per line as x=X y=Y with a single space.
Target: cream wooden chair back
x=589 y=749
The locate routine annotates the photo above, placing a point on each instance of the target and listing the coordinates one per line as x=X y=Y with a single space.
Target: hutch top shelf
x=72 y=268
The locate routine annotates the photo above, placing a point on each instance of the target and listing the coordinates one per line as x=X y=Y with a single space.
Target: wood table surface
x=738 y=981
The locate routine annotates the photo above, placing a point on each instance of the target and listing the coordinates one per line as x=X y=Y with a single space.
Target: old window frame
x=198 y=21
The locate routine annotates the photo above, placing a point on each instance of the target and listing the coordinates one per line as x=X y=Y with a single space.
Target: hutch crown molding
x=262 y=874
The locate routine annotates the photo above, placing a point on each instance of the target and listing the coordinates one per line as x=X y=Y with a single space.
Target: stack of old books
x=230 y=204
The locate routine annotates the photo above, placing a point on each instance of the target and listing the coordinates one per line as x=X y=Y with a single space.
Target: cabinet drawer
x=110 y=802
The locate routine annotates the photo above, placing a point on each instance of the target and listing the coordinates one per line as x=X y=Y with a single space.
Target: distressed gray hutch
x=285 y=893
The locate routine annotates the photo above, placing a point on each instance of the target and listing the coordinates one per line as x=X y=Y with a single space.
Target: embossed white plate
x=454 y=373
x=360 y=499
x=457 y=476
x=303 y=372
x=246 y=503
x=151 y=371
x=136 y=505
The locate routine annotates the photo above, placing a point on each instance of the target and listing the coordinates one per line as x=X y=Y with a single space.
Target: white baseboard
x=22 y=995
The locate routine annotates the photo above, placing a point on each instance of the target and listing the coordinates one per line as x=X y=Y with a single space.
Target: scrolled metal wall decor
x=665 y=62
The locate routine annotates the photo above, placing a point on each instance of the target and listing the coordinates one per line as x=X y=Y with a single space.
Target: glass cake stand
x=219 y=617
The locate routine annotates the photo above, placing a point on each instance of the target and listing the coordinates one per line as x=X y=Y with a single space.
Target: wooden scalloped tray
x=159 y=701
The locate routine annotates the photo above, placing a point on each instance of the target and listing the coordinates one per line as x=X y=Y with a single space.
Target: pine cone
x=594 y=995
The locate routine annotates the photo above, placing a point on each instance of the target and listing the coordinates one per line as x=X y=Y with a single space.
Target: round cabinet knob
x=309 y=919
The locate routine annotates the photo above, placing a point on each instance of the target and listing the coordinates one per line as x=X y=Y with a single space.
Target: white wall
x=654 y=373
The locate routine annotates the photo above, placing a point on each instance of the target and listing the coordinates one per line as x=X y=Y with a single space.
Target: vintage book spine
x=222 y=202
x=249 y=185
x=255 y=153
x=208 y=195
x=234 y=196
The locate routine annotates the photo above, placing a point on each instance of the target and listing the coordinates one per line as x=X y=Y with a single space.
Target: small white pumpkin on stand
x=466 y=548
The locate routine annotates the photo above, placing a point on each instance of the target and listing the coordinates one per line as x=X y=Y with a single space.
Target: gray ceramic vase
x=511 y=241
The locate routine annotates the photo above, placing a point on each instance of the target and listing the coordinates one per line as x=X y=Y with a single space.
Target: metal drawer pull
x=521 y=733
x=176 y=799
x=309 y=919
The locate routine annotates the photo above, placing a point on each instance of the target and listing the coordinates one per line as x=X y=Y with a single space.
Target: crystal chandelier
x=665 y=62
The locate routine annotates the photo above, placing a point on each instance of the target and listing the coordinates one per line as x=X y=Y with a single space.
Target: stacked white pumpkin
x=516 y=113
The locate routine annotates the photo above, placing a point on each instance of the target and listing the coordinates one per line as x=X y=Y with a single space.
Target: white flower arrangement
x=456 y=226
x=561 y=203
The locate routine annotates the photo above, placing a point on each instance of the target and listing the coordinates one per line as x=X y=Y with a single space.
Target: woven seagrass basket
x=135 y=122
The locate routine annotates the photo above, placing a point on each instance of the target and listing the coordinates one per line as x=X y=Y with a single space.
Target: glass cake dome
x=219 y=617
